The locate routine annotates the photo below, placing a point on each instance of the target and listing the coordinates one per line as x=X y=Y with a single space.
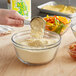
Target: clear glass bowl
x=73 y=27
x=64 y=30
x=35 y=56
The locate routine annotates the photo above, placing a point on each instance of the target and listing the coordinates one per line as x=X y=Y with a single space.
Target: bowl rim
x=24 y=46
x=72 y=27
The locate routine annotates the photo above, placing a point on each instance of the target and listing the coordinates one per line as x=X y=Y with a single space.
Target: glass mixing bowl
x=35 y=56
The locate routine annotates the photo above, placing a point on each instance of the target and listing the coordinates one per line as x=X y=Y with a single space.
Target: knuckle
x=17 y=22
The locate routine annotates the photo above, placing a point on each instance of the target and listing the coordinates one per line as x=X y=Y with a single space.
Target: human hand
x=11 y=17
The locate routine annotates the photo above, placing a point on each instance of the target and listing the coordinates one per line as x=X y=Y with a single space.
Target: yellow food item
x=63 y=19
x=61 y=8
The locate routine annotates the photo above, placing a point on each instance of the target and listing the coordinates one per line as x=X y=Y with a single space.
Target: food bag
x=23 y=7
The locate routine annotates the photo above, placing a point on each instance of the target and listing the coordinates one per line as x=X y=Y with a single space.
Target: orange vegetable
x=47 y=28
x=49 y=19
x=64 y=20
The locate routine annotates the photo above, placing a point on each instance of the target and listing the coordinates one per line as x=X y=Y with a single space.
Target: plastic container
x=35 y=56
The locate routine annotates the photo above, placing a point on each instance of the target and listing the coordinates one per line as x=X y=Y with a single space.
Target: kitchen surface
x=18 y=59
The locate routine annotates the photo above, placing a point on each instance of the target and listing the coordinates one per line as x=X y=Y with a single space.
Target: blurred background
x=35 y=3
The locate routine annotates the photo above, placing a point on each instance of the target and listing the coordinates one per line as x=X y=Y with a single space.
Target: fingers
x=11 y=17
x=14 y=14
x=15 y=22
